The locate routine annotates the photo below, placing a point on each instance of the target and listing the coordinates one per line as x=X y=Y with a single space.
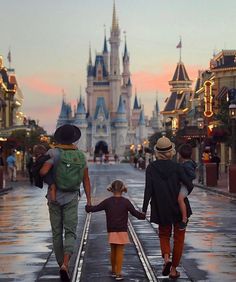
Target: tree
x=25 y=139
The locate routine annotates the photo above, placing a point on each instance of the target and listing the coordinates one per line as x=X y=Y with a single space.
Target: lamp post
x=200 y=125
x=232 y=167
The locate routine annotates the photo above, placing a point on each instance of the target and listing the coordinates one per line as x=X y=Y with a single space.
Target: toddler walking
x=117 y=209
x=185 y=151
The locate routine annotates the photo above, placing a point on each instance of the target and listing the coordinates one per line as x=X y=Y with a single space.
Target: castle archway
x=101 y=148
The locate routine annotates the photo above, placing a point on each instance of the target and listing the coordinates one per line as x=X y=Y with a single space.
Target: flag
x=179 y=44
x=9 y=56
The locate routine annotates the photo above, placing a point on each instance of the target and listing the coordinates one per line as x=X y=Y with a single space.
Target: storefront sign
x=208 y=112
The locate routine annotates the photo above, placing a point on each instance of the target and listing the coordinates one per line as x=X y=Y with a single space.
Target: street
x=25 y=235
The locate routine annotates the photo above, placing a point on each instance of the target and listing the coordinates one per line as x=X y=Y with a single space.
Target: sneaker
x=113 y=274
x=182 y=225
x=119 y=277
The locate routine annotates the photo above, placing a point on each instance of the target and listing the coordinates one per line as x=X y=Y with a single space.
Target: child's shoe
x=113 y=274
x=119 y=277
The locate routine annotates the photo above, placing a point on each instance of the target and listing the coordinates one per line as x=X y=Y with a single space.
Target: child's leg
x=182 y=206
x=113 y=258
x=52 y=192
x=119 y=258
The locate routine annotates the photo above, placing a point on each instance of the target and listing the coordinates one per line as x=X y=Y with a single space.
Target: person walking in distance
x=163 y=178
x=185 y=152
x=117 y=209
x=29 y=166
x=11 y=166
x=70 y=169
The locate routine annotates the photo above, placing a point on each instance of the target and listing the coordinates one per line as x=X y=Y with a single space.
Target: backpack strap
x=66 y=147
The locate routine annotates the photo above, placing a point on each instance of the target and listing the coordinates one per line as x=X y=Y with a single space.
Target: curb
x=212 y=189
x=5 y=190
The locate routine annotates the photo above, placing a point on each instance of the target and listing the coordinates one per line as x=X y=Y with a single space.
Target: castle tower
x=65 y=113
x=115 y=77
x=89 y=88
x=127 y=86
x=141 y=127
x=156 y=118
x=81 y=122
x=106 y=54
x=135 y=111
x=121 y=125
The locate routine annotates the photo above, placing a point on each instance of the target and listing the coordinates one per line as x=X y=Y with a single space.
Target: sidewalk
x=9 y=185
x=221 y=188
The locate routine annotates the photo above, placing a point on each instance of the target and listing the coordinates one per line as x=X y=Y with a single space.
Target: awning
x=222 y=93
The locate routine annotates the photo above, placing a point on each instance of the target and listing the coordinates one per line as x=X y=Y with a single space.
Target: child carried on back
x=185 y=152
x=39 y=152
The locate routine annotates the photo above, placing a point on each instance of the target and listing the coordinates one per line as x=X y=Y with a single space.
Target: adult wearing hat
x=64 y=212
x=163 y=178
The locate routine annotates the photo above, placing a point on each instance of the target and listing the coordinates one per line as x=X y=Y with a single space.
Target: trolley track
x=147 y=268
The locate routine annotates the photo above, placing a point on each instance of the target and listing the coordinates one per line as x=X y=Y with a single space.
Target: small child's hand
x=143 y=214
x=87 y=208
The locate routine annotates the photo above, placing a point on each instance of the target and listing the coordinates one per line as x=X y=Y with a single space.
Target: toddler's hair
x=39 y=150
x=117 y=186
x=185 y=151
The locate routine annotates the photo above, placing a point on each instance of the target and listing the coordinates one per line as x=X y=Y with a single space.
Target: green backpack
x=70 y=170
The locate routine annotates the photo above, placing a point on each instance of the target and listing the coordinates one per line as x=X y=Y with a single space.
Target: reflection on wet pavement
x=210 y=249
x=25 y=235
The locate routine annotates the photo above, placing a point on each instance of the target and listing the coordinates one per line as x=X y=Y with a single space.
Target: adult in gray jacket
x=163 y=178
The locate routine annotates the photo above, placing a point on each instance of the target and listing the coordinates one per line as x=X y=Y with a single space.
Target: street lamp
x=200 y=125
x=232 y=167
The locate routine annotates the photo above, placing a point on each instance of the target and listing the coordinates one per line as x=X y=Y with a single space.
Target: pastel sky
x=49 y=41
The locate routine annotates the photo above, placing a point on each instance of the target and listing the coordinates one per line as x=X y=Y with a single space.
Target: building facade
x=110 y=121
x=178 y=103
x=11 y=100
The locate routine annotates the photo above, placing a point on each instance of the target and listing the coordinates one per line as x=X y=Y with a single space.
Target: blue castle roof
x=121 y=107
x=101 y=107
x=100 y=60
x=80 y=106
x=136 y=106
x=141 y=118
x=105 y=50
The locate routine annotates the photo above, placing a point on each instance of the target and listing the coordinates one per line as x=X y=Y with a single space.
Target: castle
x=109 y=123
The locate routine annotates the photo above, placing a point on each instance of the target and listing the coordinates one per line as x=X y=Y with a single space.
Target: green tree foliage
x=223 y=133
x=27 y=138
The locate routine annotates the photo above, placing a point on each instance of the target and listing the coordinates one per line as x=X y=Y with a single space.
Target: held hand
x=87 y=208
x=89 y=203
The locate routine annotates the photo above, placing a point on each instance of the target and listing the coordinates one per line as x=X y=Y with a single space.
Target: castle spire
x=157 y=104
x=105 y=50
x=90 y=55
x=115 y=25
x=125 y=49
x=136 y=106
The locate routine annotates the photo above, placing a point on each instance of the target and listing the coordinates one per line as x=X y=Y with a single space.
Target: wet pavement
x=25 y=236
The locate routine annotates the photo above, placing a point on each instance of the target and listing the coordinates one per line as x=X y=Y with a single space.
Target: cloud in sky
x=146 y=81
x=147 y=84
x=46 y=115
x=37 y=84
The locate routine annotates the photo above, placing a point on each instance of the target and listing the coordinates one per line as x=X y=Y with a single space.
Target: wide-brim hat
x=67 y=134
x=164 y=145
